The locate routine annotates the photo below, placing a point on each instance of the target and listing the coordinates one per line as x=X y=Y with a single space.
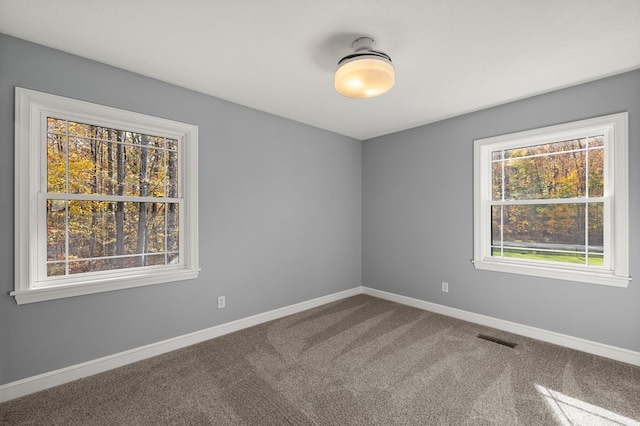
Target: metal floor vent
x=497 y=340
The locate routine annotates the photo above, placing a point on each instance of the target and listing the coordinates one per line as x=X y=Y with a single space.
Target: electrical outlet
x=221 y=302
x=445 y=287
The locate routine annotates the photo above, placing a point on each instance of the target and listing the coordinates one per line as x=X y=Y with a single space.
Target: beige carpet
x=359 y=361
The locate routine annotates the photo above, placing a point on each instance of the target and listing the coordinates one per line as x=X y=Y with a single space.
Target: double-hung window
x=105 y=199
x=553 y=202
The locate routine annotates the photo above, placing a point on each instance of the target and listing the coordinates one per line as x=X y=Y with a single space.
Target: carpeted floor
x=359 y=361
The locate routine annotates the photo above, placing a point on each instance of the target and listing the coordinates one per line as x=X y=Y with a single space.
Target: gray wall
x=418 y=219
x=280 y=218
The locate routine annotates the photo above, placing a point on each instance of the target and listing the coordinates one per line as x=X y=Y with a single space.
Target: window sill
x=102 y=284
x=590 y=277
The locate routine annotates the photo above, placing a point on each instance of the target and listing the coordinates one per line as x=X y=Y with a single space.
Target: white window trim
x=616 y=158
x=30 y=108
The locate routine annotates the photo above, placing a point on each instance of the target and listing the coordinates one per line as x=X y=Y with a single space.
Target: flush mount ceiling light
x=366 y=72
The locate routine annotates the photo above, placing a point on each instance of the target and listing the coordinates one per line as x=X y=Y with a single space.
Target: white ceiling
x=451 y=56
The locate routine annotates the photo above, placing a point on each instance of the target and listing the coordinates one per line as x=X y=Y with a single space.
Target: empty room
x=320 y=213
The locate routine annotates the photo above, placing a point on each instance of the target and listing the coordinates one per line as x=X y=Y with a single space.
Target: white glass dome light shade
x=365 y=73
x=364 y=77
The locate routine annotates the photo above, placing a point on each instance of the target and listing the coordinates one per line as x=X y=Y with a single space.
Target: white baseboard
x=64 y=375
x=595 y=348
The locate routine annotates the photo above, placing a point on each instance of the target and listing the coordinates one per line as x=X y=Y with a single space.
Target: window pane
x=133 y=261
x=56 y=163
x=104 y=134
x=155 y=174
x=56 y=229
x=154 y=259
x=135 y=138
x=547 y=148
x=496 y=225
x=172 y=174
x=145 y=172
x=56 y=269
x=155 y=227
x=80 y=129
x=157 y=142
x=596 y=172
x=173 y=258
x=596 y=233
x=82 y=179
x=99 y=265
x=92 y=229
x=131 y=163
x=172 y=227
x=56 y=126
x=496 y=178
x=92 y=265
x=595 y=141
x=115 y=229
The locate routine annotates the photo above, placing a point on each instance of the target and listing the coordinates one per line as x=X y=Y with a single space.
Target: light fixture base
x=363 y=43
x=366 y=72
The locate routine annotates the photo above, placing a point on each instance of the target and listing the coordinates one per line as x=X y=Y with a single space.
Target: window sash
x=42 y=257
x=585 y=200
x=606 y=246
x=42 y=260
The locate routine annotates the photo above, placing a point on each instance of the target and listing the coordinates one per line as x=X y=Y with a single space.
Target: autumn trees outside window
x=552 y=202
x=105 y=198
x=547 y=201
x=112 y=199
